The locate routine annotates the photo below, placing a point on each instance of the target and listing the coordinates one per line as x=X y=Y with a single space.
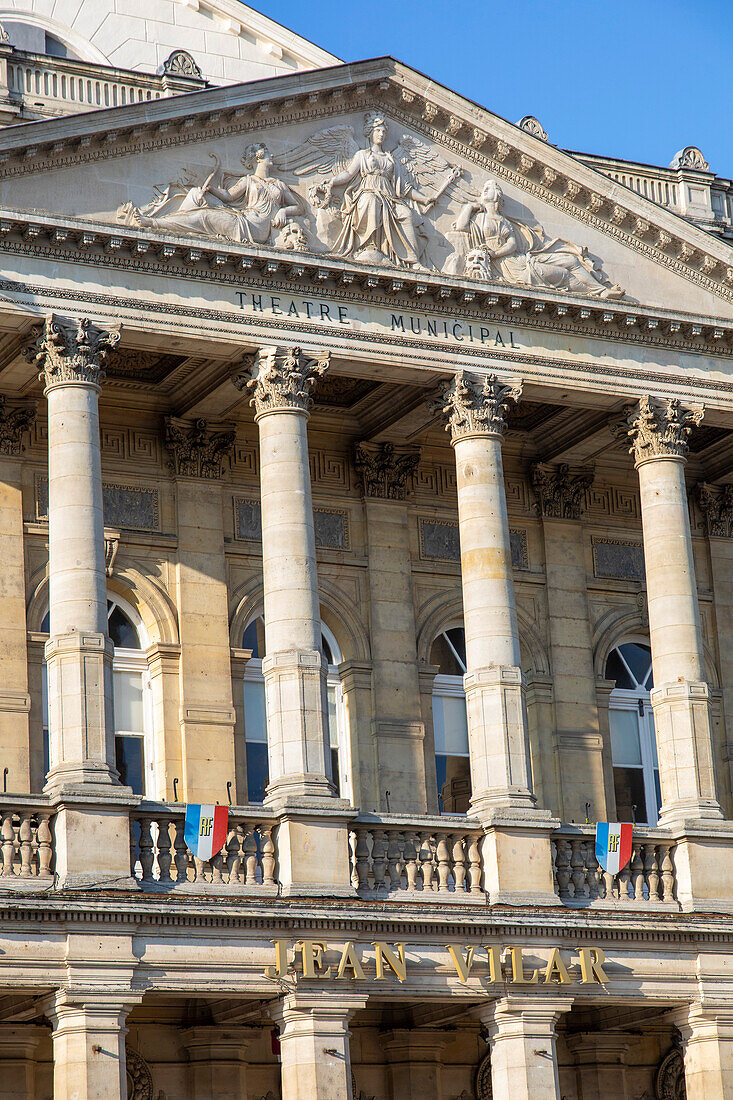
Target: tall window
x=255 y=717
x=449 y=721
x=633 y=739
x=133 y=756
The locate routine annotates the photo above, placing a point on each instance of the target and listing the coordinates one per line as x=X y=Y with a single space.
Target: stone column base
x=516 y=855
x=498 y=742
x=684 y=745
x=92 y=841
x=297 y=728
x=217 y=1061
x=89 y=1044
x=313 y=854
x=703 y=861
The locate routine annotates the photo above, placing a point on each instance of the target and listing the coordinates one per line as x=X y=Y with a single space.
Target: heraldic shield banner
x=613 y=845
x=205 y=830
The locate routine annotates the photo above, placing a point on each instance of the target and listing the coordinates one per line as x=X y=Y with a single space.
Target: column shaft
x=314 y=1045
x=217 y=1062
x=88 y=1047
x=14 y=696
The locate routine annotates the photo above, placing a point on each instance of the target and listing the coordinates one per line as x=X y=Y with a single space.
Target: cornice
x=97 y=244
x=550 y=174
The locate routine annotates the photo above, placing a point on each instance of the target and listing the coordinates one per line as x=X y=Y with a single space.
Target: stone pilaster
x=414 y=1061
x=658 y=432
x=707 y=1045
x=18 y=1046
x=314 y=1044
x=600 y=1060
x=217 y=1066
x=397 y=730
x=88 y=1045
x=521 y=1034
x=198 y=454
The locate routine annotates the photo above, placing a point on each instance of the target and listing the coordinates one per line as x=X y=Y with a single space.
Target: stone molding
x=560 y=494
x=197 y=450
x=658 y=428
x=386 y=470
x=70 y=350
x=476 y=406
x=717 y=509
x=14 y=421
x=282 y=379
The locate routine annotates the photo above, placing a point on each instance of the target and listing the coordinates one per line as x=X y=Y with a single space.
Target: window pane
x=638 y=658
x=128 y=701
x=121 y=631
x=454 y=783
x=255 y=723
x=616 y=670
x=652 y=734
x=257 y=771
x=443 y=656
x=457 y=638
x=333 y=728
x=449 y=724
x=254 y=638
x=625 y=745
x=326 y=651
x=335 y=771
x=129 y=762
x=630 y=796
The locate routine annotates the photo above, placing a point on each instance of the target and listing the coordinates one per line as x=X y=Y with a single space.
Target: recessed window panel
x=454 y=783
x=625 y=743
x=255 y=721
x=257 y=771
x=443 y=656
x=638 y=658
x=450 y=726
x=121 y=631
x=129 y=762
x=128 y=701
x=617 y=670
x=630 y=794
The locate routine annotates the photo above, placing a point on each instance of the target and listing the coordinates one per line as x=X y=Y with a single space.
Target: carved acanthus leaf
x=658 y=429
x=717 y=509
x=196 y=450
x=386 y=469
x=283 y=378
x=474 y=405
x=181 y=63
x=560 y=494
x=13 y=423
x=70 y=350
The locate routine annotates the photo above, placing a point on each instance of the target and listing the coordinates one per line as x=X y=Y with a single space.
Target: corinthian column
x=658 y=431
x=294 y=668
x=476 y=411
x=71 y=356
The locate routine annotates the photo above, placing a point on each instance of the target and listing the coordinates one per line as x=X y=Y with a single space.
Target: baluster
x=577 y=863
x=474 y=870
x=249 y=848
x=651 y=878
x=45 y=846
x=427 y=865
x=593 y=869
x=164 y=851
x=201 y=870
x=25 y=842
x=394 y=851
x=216 y=864
x=563 y=868
x=7 y=835
x=443 y=863
x=637 y=874
x=610 y=887
x=379 y=861
x=267 y=847
x=654 y=877
x=134 y=849
x=181 y=851
x=410 y=853
x=361 y=857
x=623 y=879
x=667 y=873
x=147 y=856
x=234 y=856
x=459 y=864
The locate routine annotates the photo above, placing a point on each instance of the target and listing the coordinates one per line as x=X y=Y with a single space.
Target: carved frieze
x=330 y=525
x=717 y=508
x=14 y=421
x=130 y=507
x=195 y=449
x=560 y=493
x=658 y=429
x=70 y=350
x=440 y=541
x=670 y=1080
x=618 y=559
x=386 y=470
x=472 y=404
x=282 y=378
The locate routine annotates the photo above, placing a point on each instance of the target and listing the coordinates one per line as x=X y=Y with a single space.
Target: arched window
x=255 y=719
x=450 y=728
x=633 y=740
x=132 y=707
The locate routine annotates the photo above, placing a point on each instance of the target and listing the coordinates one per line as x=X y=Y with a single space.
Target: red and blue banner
x=613 y=845
x=206 y=829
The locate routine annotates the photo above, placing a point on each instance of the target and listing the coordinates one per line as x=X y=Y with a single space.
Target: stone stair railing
x=417 y=858
x=161 y=861
x=648 y=880
x=26 y=842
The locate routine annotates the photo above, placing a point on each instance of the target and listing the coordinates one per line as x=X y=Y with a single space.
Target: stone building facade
x=365 y=468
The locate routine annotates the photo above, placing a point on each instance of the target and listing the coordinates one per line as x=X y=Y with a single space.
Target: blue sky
x=638 y=79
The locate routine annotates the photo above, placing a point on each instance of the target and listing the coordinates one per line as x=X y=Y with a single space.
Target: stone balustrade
x=26 y=843
x=649 y=879
x=417 y=858
x=161 y=861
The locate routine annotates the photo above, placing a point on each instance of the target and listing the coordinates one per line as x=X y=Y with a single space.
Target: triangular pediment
x=447 y=188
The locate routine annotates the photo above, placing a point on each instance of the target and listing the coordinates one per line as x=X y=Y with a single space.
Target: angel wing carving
x=428 y=170
x=327 y=152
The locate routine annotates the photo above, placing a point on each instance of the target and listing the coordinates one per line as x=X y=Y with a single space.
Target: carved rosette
x=13 y=423
x=717 y=509
x=282 y=379
x=658 y=429
x=476 y=406
x=197 y=450
x=385 y=469
x=560 y=494
x=71 y=350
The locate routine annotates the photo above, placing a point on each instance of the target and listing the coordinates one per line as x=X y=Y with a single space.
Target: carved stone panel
x=440 y=541
x=616 y=559
x=127 y=506
x=331 y=525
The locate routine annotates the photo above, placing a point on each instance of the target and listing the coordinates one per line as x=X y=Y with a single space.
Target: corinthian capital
x=560 y=494
x=13 y=423
x=385 y=469
x=68 y=350
x=196 y=450
x=282 y=378
x=658 y=429
x=474 y=405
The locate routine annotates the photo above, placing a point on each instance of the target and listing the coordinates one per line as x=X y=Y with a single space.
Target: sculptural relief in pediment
x=388 y=199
